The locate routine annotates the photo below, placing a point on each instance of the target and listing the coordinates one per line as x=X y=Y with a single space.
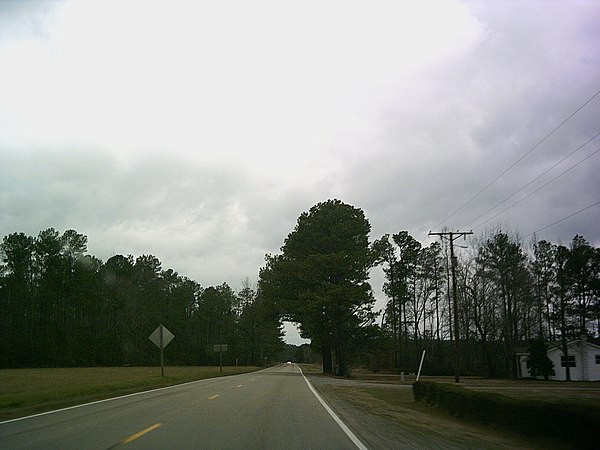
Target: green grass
x=30 y=391
x=311 y=369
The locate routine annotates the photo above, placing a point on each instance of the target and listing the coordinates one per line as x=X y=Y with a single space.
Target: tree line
x=507 y=297
x=60 y=306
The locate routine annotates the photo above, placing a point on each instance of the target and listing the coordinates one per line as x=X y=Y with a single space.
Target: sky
x=199 y=131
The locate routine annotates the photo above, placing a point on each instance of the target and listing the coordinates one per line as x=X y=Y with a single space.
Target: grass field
x=30 y=391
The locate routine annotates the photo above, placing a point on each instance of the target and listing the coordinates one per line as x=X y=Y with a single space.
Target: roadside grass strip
x=28 y=392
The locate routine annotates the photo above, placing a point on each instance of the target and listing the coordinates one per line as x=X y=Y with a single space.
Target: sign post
x=220 y=348
x=161 y=337
x=421 y=365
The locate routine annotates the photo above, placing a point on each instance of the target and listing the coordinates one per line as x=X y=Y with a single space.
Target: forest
x=509 y=297
x=60 y=306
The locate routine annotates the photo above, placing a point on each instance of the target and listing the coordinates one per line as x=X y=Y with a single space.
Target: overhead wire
x=563 y=219
x=521 y=158
x=538 y=189
x=532 y=181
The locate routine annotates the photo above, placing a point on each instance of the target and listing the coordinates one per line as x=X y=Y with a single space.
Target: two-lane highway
x=272 y=408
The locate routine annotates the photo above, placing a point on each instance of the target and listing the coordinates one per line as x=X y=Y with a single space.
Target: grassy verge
x=385 y=416
x=30 y=391
x=311 y=369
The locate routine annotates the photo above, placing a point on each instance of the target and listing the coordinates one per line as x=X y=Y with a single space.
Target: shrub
x=570 y=422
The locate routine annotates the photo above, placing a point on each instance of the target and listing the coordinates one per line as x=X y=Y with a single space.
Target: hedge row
x=575 y=424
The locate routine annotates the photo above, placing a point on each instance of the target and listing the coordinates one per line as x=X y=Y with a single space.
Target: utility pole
x=452 y=236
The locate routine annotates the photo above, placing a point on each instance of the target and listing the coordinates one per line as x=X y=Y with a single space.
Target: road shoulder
x=386 y=416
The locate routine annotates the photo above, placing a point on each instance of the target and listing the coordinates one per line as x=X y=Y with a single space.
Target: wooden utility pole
x=452 y=236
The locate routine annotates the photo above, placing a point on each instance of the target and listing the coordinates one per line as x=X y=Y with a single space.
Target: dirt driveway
x=385 y=416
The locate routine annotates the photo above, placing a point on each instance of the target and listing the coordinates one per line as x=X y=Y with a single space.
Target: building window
x=563 y=360
x=597 y=359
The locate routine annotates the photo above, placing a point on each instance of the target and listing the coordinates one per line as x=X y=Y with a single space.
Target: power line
x=563 y=219
x=520 y=159
x=532 y=181
x=538 y=189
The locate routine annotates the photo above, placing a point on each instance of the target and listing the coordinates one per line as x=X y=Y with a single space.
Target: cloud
x=199 y=132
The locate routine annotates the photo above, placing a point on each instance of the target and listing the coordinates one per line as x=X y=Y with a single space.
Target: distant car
x=289 y=362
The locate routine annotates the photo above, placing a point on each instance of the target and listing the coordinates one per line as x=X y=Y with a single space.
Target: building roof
x=557 y=345
x=523 y=350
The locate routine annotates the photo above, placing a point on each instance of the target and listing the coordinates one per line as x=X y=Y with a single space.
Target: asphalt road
x=271 y=409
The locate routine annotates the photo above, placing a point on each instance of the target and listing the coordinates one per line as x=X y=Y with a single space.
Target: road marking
x=342 y=425
x=133 y=437
x=213 y=397
x=239 y=385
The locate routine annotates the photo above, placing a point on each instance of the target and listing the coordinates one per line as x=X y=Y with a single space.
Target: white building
x=583 y=359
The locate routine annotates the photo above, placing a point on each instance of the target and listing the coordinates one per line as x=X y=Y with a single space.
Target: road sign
x=220 y=348
x=161 y=341
x=161 y=338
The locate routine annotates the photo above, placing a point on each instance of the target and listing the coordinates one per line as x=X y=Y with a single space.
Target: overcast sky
x=199 y=131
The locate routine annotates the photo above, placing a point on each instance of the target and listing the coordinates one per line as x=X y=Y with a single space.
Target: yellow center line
x=133 y=437
x=213 y=397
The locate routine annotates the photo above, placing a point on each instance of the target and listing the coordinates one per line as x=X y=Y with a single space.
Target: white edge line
x=119 y=397
x=342 y=425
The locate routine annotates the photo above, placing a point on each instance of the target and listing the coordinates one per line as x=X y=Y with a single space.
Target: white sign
x=167 y=336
